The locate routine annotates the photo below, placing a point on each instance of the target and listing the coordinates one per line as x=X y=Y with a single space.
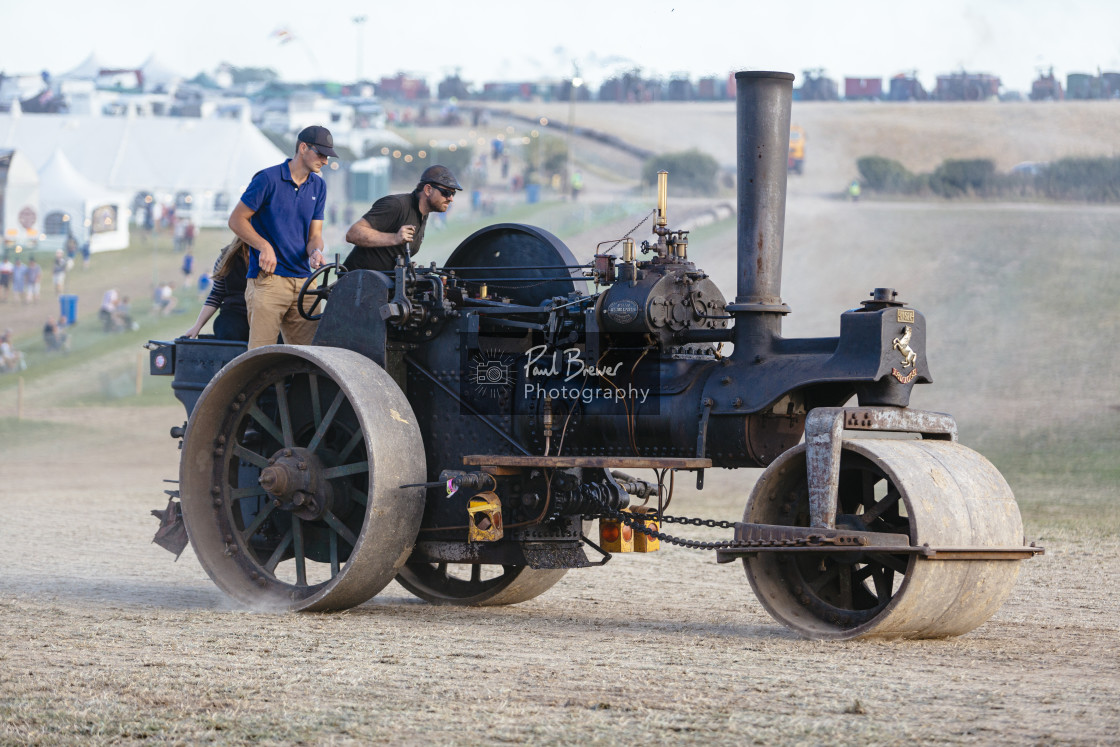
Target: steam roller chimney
x=762 y=102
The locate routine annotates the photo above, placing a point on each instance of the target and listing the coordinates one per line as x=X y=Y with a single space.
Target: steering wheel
x=320 y=293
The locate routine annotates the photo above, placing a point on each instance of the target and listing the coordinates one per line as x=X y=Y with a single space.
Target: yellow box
x=614 y=536
x=643 y=542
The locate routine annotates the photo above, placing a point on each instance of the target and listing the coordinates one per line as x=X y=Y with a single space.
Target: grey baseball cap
x=440 y=175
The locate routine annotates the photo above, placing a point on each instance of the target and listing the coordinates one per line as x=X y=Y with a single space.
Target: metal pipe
x=763 y=102
x=628 y=250
x=662 y=198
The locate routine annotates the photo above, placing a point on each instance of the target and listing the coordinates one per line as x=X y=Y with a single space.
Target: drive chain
x=637 y=523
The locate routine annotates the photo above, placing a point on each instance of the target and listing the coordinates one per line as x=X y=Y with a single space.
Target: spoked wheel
x=938 y=493
x=290 y=476
x=476 y=585
x=319 y=293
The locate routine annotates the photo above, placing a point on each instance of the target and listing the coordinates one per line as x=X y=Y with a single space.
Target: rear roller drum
x=476 y=585
x=938 y=493
x=290 y=476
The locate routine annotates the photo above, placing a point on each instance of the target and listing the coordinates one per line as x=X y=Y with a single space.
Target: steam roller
x=475 y=431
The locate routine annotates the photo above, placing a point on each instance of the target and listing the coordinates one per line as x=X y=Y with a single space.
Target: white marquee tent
x=201 y=166
x=72 y=204
x=19 y=197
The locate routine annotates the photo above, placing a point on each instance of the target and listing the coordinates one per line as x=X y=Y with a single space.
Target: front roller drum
x=938 y=493
x=290 y=478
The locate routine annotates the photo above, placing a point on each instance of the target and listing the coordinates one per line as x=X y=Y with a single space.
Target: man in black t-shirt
x=381 y=235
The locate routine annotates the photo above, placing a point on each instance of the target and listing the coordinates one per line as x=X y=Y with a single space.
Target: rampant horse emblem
x=902 y=345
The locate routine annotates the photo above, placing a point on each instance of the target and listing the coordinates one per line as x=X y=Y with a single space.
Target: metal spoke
x=301 y=561
x=893 y=562
x=345 y=470
x=863 y=573
x=334 y=554
x=266 y=423
x=340 y=528
x=875 y=511
x=285 y=415
x=238 y=494
x=278 y=553
x=356 y=439
x=262 y=515
x=358 y=496
x=326 y=421
x=884 y=578
x=252 y=457
x=316 y=408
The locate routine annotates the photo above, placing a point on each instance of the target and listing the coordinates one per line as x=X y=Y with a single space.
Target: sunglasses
x=448 y=193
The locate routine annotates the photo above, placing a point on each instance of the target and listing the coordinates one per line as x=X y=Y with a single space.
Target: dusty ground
x=106 y=640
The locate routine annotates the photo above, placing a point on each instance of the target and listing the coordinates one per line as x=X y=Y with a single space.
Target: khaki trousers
x=271 y=302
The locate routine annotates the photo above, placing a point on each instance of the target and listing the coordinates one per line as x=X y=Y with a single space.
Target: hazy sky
x=490 y=40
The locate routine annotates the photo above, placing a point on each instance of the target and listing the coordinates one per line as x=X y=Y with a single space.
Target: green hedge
x=885 y=175
x=1088 y=179
x=689 y=171
x=1075 y=179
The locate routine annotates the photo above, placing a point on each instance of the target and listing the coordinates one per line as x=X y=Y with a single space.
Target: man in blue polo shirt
x=280 y=217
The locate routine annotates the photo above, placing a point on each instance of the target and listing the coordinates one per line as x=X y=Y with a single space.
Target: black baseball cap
x=318 y=138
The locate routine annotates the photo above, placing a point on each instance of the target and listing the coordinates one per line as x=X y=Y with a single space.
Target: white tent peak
x=88 y=69
x=63 y=189
x=61 y=174
x=157 y=75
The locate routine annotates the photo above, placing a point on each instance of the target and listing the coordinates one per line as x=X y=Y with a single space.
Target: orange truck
x=796 y=162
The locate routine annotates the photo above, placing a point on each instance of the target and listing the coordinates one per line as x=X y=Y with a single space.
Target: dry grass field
x=107 y=641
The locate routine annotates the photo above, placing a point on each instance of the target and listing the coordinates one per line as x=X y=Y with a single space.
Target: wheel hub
x=294 y=477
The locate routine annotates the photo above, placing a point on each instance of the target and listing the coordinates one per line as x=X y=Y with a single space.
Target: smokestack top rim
x=742 y=74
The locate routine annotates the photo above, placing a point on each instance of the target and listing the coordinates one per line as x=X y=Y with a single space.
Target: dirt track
x=105 y=639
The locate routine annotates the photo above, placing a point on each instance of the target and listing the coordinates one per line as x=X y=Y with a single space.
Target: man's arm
x=315 y=244
x=243 y=229
x=363 y=234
